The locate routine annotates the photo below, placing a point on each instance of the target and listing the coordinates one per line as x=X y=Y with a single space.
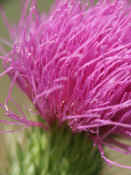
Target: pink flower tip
x=75 y=66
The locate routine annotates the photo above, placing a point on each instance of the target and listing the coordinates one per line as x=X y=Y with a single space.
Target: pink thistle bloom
x=75 y=66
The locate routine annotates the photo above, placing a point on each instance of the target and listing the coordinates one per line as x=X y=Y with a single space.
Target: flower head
x=75 y=66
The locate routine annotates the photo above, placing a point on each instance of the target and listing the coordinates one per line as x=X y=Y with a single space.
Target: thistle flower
x=75 y=66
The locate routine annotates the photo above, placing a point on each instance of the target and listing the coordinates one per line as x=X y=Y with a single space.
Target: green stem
x=56 y=152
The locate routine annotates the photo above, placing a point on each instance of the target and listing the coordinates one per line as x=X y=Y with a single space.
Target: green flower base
x=56 y=152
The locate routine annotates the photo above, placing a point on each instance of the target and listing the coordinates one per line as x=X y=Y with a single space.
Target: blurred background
x=13 y=9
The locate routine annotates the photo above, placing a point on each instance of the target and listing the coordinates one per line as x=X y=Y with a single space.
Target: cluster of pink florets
x=75 y=66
